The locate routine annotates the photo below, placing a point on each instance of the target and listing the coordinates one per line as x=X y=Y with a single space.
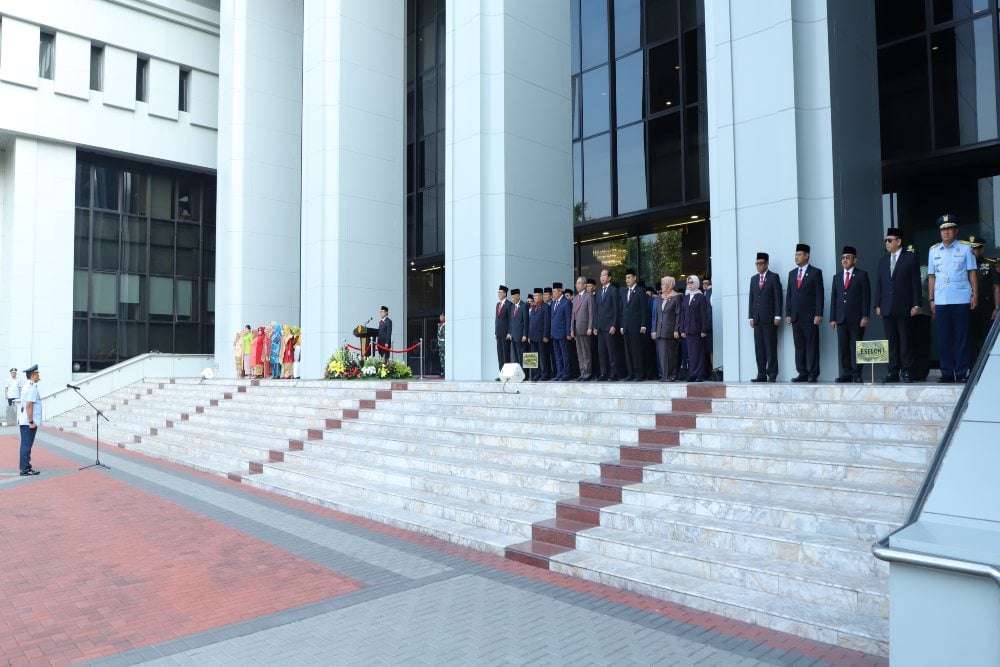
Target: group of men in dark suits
x=897 y=301
x=598 y=332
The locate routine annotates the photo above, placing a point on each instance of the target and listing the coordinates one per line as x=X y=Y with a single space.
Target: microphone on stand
x=72 y=386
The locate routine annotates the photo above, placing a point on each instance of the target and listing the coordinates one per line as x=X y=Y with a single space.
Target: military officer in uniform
x=952 y=283
x=982 y=316
x=29 y=418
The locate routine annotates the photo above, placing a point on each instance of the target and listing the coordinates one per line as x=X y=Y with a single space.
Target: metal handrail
x=881 y=549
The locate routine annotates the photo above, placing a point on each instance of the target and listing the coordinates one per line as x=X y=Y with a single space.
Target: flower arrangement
x=344 y=365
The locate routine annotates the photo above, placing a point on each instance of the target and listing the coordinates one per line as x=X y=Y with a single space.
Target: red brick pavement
x=92 y=567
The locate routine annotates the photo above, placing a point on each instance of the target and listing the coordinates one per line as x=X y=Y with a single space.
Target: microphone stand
x=97 y=437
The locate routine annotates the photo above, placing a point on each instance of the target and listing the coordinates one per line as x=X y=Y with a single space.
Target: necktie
x=515 y=309
x=892 y=264
x=499 y=306
x=629 y=298
x=847 y=280
x=760 y=283
x=798 y=282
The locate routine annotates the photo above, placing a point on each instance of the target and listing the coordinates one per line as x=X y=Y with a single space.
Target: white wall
x=259 y=173
x=353 y=187
x=508 y=165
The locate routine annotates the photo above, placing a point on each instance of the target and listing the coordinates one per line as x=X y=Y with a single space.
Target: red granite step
x=534 y=553
x=586 y=510
x=560 y=532
x=628 y=471
x=668 y=437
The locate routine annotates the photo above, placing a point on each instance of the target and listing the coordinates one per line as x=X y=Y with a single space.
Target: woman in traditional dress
x=258 y=352
x=265 y=353
x=287 y=352
x=247 y=342
x=238 y=352
x=276 y=352
x=666 y=318
x=297 y=346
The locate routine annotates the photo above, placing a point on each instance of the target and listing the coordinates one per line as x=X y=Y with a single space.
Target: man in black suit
x=634 y=317
x=765 y=318
x=804 y=311
x=850 y=307
x=518 y=326
x=384 y=331
x=897 y=300
x=501 y=326
x=606 y=319
x=539 y=331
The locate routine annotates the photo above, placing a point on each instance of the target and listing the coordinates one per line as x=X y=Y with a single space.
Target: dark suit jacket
x=765 y=304
x=385 y=332
x=606 y=315
x=562 y=314
x=502 y=320
x=854 y=303
x=695 y=319
x=804 y=302
x=635 y=311
x=539 y=323
x=895 y=295
x=518 y=321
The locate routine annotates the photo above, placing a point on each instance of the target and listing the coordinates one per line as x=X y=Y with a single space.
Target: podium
x=367 y=336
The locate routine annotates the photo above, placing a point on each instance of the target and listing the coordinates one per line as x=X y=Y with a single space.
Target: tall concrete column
x=794 y=154
x=36 y=268
x=353 y=178
x=508 y=165
x=259 y=173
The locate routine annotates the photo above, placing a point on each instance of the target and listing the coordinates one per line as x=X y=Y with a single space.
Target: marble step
x=838 y=410
x=289 y=427
x=583 y=462
x=503 y=425
x=827 y=428
x=858 y=393
x=850 y=629
x=806 y=466
x=468 y=510
x=802 y=513
x=781 y=488
x=830 y=552
x=596 y=416
x=464 y=534
x=911 y=453
x=787 y=579
x=546 y=443
x=196 y=431
x=215 y=460
x=539 y=402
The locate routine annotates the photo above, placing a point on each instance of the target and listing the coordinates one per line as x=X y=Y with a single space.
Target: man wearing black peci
x=850 y=307
x=897 y=301
x=501 y=327
x=765 y=318
x=804 y=311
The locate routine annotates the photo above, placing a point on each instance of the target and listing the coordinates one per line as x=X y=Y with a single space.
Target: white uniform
x=30 y=395
x=14 y=385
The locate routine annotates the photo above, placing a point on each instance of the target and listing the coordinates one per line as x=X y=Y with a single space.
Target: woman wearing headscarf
x=666 y=320
x=238 y=352
x=694 y=327
x=275 y=351
x=287 y=353
x=257 y=353
x=297 y=351
x=265 y=353
x=247 y=343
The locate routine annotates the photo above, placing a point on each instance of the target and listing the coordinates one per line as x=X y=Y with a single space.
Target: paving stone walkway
x=151 y=563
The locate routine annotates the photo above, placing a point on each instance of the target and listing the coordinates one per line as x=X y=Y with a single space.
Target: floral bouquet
x=344 y=365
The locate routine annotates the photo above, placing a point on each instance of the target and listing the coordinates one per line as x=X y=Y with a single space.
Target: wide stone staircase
x=759 y=503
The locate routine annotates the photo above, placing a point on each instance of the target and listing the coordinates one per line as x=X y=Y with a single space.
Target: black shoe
x=842 y=379
x=905 y=378
x=813 y=379
x=759 y=378
x=946 y=379
x=961 y=380
x=800 y=378
x=857 y=379
x=773 y=378
x=30 y=471
x=890 y=379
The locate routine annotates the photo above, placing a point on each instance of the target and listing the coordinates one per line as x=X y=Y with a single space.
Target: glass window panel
x=186 y=339
x=661 y=20
x=594 y=32
x=427 y=47
x=97 y=68
x=578 y=182
x=427 y=154
x=188 y=200
x=574 y=21
x=134 y=339
x=46 y=55
x=105 y=240
x=106 y=187
x=665 y=160
x=81 y=239
x=186 y=300
x=952 y=10
x=664 y=77
x=411 y=115
x=661 y=254
x=162 y=191
x=895 y=19
x=904 y=101
x=81 y=289
x=208 y=252
x=440 y=162
x=136 y=195
x=695 y=153
x=79 y=346
x=161 y=298
x=428 y=97
x=103 y=342
x=141 y=69
x=630 y=91
x=161 y=337
x=440 y=39
x=209 y=299
x=631 y=168
x=103 y=294
x=597 y=177
x=692 y=14
x=693 y=44
x=628 y=26
x=83 y=184
x=134 y=245
x=131 y=297
x=429 y=223
x=187 y=250
x=964 y=76
x=595 y=101
x=577 y=105
x=411 y=56
x=161 y=247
